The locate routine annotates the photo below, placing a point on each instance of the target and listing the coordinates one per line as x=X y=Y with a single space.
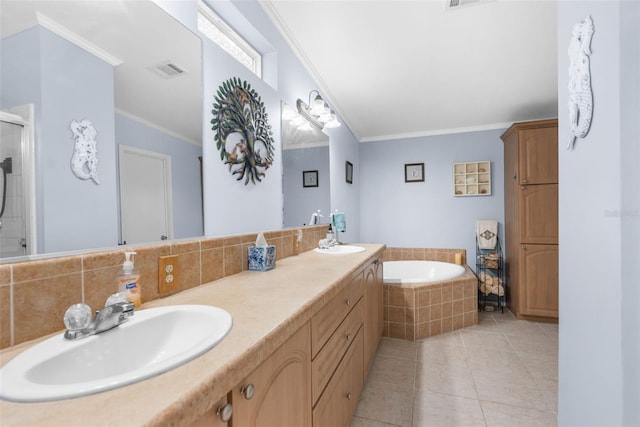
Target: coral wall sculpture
x=580 y=95
x=84 y=162
x=242 y=131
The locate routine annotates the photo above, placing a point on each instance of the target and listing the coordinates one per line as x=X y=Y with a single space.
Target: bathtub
x=427 y=298
x=417 y=272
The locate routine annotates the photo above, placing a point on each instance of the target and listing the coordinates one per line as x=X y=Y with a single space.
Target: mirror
x=305 y=148
x=132 y=71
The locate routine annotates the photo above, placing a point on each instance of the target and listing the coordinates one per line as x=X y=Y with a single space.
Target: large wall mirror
x=305 y=153
x=132 y=72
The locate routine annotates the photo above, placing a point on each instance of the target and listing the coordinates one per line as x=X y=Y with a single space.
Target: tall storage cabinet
x=531 y=218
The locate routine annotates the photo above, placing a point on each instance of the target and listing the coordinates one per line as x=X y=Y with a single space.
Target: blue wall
x=71 y=213
x=301 y=201
x=185 y=171
x=599 y=372
x=427 y=214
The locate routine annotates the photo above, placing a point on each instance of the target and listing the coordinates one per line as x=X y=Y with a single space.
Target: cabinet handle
x=348 y=337
x=524 y=247
x=348 y=396
x=524 y=181
x=523 y=187
x=247 y=391
x=347 y=301
x=225 y=412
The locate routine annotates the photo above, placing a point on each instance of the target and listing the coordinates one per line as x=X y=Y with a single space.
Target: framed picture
x=414 y=172
x=349 y=172
x=309 y=178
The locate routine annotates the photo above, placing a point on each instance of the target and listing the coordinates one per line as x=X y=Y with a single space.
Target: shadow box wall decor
x=309 y=178
x=348 y=172
x=472 y=179
x=414 y=172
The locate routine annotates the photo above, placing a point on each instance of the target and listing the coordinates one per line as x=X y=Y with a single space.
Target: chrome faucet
x=315 y=218
x=80 y=325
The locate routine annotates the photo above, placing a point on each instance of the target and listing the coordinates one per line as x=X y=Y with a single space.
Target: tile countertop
x=267 y=308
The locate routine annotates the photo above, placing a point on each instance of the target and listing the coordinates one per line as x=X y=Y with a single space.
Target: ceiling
x=394 y=69
x=135 y=37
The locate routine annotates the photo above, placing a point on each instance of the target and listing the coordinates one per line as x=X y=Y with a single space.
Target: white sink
x=153 y=341
x=341 y=250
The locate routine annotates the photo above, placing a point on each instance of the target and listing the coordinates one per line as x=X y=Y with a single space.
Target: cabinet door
x=538 y=151
x=339 y=400
x=213 y=417
x=539 y=214
x=281 y=388
x=374 y=311
x=539 y=285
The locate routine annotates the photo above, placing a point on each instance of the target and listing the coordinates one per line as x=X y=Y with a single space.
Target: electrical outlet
x=168 y=274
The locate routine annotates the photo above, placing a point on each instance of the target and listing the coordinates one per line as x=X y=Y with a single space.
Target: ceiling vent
x=458 y=4
x=169 y=70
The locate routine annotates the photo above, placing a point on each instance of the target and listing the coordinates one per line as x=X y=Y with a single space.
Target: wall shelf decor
x=242 y=130
x=472 y=179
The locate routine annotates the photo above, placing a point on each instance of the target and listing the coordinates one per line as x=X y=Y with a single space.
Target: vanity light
x=320 y=114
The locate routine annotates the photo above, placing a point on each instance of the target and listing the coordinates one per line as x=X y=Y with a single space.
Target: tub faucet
x=79 y=325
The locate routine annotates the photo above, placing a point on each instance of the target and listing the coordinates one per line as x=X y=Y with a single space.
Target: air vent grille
x=455 y=4
x=169 y=70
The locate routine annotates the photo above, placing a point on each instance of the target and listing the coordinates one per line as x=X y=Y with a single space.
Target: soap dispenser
x=129 y=280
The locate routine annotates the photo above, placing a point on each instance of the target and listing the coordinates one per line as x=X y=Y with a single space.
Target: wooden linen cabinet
x=531 y=218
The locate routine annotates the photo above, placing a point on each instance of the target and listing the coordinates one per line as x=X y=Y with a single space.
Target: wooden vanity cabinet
x=374 y=320
x=317 y=376
x=212 y=418
x=531 y=218
x=278 y=392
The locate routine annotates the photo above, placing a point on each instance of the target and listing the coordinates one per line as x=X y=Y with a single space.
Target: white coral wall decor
x=580 y=95
x=84 y=162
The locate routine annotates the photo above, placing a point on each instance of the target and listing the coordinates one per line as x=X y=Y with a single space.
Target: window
x=212 y=26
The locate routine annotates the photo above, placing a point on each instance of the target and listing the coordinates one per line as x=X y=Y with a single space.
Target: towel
x=339 y=222
x=487 y=232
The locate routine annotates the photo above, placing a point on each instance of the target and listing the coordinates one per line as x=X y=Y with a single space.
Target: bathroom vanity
x=302 y=341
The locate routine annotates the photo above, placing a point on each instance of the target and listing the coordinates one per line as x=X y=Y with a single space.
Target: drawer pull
x=347 y=301
x=348 y=396
x=348 y=337
x=247 y=391
x=225 y=412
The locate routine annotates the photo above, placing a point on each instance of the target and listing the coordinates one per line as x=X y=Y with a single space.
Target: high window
x=212 y=26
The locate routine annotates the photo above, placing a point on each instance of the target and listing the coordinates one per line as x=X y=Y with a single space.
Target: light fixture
x=318 y=112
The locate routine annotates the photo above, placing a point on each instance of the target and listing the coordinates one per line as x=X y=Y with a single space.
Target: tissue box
x=262 y=258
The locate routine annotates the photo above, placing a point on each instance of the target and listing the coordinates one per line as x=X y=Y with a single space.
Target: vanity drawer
x=329 y=357
x=339 y=400
x=325 y=322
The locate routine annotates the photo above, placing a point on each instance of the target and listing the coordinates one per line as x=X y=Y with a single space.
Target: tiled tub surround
x=267 y=308
x=417 y=311
x=35 y=294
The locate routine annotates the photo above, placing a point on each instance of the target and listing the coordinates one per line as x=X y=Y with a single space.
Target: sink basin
x=341 y=250
x=153 y=341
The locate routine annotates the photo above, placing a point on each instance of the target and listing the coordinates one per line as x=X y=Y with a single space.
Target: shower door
x=14 y=193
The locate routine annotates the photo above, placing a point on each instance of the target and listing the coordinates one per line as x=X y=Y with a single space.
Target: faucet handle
x=77 y=316
x=116 y=298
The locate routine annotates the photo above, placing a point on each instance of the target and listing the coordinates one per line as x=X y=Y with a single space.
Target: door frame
x=23 y=115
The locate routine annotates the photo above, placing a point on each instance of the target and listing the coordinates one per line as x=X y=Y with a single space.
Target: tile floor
x=502 y=372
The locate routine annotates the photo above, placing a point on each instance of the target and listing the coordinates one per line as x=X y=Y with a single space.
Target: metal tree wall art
x=242 y=130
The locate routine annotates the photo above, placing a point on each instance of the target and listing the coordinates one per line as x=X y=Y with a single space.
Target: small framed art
x=309 y=178
x=414 y=172
x=348 y=166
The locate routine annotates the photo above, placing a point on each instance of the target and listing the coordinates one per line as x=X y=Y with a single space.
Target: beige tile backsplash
x=35 y=294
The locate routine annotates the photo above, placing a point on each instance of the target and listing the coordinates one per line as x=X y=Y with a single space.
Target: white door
x=146 y=213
